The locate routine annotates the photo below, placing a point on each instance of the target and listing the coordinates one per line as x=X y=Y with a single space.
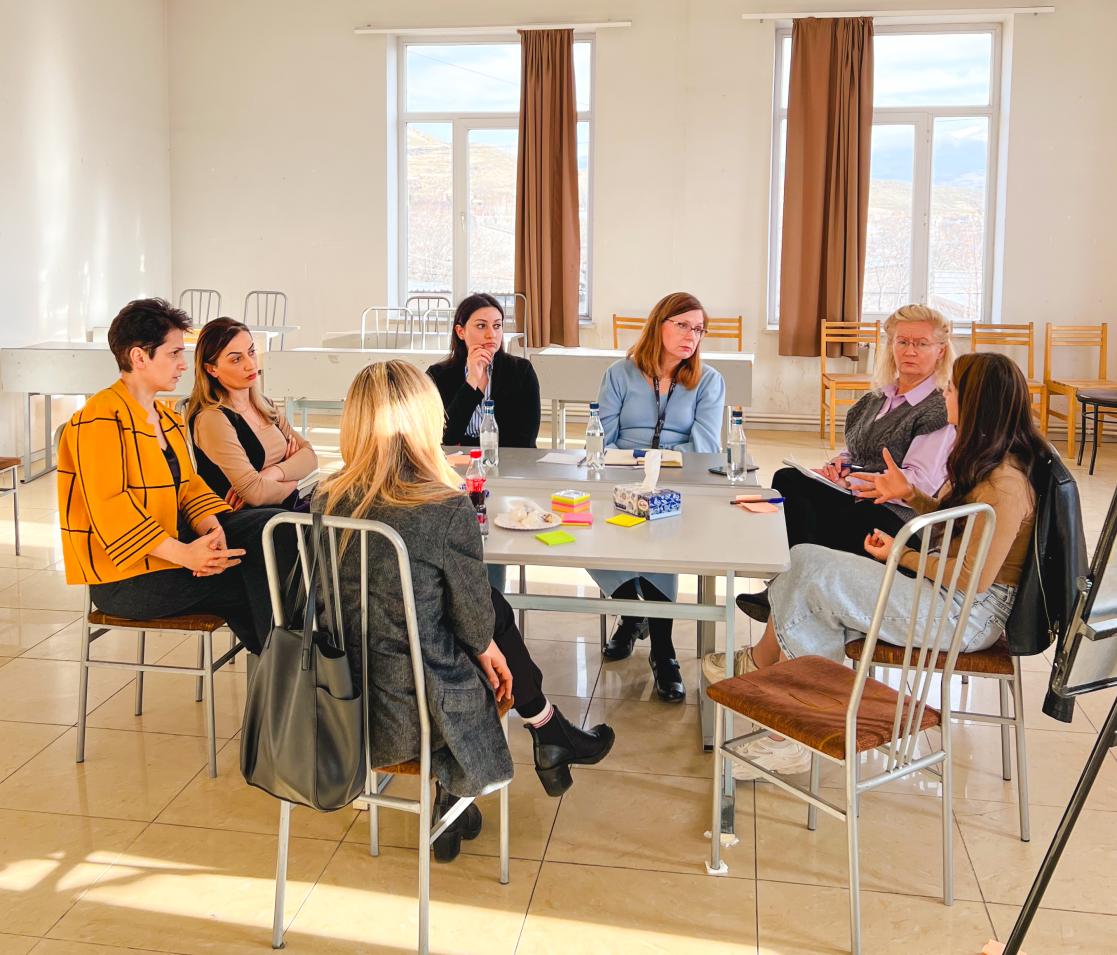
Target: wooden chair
x=11 y=466
x=832 y=384
x=1007 y=336
x=732 y=329
x=1073 y=336
x=622 y=324
x=839 y=714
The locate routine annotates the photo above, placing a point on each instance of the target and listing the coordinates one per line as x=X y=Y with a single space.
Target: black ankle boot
x=756 y=605
x=628 y=631
x=559 y=744
x=466 y=826
x=668 y=680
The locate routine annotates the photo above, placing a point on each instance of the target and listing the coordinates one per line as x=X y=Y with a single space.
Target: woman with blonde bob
x=473 y=655
x=659 y=395
x=904 y=413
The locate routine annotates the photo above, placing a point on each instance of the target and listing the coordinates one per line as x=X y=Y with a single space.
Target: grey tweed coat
x=469 y=753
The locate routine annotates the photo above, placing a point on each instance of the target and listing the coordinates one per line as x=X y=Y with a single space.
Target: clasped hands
x=889 y=485
x=209 y=554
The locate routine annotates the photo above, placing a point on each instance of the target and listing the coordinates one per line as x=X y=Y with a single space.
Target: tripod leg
x=1107 y=738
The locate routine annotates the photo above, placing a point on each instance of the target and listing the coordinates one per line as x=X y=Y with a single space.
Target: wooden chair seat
x=1078 y=384
x=996 y=661
x=848 y=381
x=8 y=463
x=806 y=699
x=193 y=622
x=411 y=767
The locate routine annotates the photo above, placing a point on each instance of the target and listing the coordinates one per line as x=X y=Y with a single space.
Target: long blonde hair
x=647 y=353
x=886 y=371
x=208 y=392
x=391 y=434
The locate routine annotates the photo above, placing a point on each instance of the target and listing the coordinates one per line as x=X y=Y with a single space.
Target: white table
x=709 y=539
x=574 y=374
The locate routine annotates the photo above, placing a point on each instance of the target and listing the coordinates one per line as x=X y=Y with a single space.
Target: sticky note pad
x=759 y=507
x=550 y=538
x=626 y=520
x=578 y=520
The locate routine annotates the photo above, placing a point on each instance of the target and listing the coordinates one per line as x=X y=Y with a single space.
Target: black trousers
x=239 y=594
x=659 y=628
x=817 y=514
x=527 y=678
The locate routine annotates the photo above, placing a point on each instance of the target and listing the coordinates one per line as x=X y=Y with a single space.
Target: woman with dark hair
x=246 y=449
x=827 y=597
x=659 y=395
x=479 y=369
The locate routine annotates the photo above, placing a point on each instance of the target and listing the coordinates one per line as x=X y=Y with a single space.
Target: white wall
x=280 y=173
x=84 y=167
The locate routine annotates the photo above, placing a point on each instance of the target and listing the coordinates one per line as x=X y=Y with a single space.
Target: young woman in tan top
x=827 y=597
x=247 y=451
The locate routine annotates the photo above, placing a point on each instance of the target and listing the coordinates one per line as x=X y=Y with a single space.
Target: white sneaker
x=785 y=757
x=713 y=664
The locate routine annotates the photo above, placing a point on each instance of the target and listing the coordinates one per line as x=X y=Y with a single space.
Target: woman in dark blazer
x=473 y=655
x=479 y=368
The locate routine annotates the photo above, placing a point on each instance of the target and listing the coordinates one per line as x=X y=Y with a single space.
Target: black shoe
x=628 y=631
x=559 y=744
x=756 y=605
x=668 y=680
x=466 y=826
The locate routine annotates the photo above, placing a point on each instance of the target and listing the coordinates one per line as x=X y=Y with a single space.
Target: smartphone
x=719 y=469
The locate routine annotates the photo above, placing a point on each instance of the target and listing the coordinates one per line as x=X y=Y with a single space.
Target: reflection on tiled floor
x=137 y=850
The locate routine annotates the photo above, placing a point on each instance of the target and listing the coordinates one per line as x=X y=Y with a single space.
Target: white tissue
x=652 y=462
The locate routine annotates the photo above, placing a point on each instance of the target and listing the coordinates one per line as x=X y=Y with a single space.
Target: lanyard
x=661 y=412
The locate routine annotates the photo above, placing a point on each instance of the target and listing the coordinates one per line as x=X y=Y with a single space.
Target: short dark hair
x=144 y=323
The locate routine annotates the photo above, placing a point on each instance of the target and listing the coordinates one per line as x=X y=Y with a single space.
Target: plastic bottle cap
x=475 y=453
x=489 y=404
x=594 y=406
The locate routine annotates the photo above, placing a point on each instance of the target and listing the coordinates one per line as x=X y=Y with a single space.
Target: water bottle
x=490 y=436
x=595 y=441
x=475 y=488
x=736 y=450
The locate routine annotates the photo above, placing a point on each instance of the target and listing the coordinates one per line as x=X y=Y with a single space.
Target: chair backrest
x=422 y=302
x=1006 y=336
x=362 y=531
x=730 y=328
x=201 y=304
x=929 y=630
x=862 y=334
x=264 y=307
x=1076 y=336
x=388 y=326
x=622 y=323
x=434 y=328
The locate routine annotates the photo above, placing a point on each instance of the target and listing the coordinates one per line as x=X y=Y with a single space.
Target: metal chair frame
x=202 y=304
x=422 y=302
x=383 y=317
x=13 y=470
x=376 y=782
x=917 y=675
x=269 y=307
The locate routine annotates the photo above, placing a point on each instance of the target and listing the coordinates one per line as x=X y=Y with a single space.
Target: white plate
x=542 y=521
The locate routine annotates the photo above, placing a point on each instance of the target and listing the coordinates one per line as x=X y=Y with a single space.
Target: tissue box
x=662 y=502
x=570 y=502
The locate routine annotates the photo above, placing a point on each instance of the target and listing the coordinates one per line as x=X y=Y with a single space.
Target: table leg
x=562 y=424
x=707 y=630
x=48 y=438
x=27 y=437
x=1098 y=420
x=728 y=790
x=554 y=424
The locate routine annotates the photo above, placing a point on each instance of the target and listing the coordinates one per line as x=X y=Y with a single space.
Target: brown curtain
x=547 y=240
x=826 y=181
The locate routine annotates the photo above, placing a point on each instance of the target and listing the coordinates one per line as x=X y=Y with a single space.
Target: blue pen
x=766 y=500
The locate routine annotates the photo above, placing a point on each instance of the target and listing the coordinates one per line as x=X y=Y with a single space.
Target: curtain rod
x=489 y=30
x=831 y=14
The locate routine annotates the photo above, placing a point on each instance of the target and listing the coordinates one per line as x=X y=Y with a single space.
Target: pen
x=759 y=500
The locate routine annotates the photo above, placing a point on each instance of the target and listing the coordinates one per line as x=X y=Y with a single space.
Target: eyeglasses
x=920 y=344
x=688 y=329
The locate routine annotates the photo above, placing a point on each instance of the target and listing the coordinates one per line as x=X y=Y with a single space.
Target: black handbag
x=303 y=735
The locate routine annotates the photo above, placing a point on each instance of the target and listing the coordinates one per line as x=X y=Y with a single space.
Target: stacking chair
x=434 y=329
x=263 y=308
x=839 y=713
x=1007 y=336
x=10 y=466
x=388 y=326
x=378 y=778
x=1073 y=336
x=422 y=302
x=626 y=324
x=201 y=304
x=732 y=329
x=998 y=664
x=832 y=384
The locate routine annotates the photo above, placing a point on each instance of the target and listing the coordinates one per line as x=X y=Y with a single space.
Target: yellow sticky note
x=626 y=520
x=550 y=538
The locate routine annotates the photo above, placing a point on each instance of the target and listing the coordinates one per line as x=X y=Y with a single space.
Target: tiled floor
x=138 y=850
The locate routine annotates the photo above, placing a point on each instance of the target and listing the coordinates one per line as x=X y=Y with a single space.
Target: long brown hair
x=391 y=434
x=459 y=351
x=994 y=422
x=647 y=353
x=208 y=392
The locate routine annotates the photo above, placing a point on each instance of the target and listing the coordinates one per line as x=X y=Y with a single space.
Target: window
x=459 y=106
x=931 y=170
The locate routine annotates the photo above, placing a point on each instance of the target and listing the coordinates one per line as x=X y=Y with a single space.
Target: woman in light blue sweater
x=659 y=396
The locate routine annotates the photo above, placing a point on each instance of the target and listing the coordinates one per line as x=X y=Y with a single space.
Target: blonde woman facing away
x=247 y=451
x=473 y=654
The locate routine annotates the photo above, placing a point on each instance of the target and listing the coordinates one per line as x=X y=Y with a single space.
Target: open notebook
x=617 y=458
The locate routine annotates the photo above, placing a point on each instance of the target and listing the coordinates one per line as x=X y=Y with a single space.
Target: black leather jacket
x=1047 y=591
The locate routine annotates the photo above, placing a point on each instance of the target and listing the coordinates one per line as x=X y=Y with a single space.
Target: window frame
x=461 y=123
x=923 y=118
